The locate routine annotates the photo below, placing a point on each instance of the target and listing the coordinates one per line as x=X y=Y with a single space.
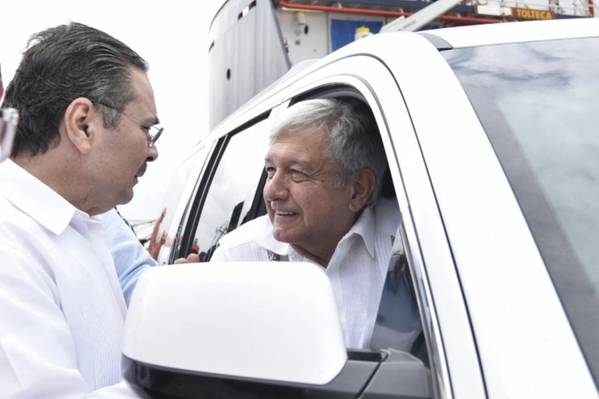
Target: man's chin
x=281 y=236
x=126 y=197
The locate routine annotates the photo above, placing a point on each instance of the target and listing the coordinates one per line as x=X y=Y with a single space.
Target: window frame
x=172 y=227
x=196 y=205
x=374 y=82
x=357 y=89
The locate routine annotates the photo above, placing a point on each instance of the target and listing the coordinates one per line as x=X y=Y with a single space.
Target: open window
x=399 y=326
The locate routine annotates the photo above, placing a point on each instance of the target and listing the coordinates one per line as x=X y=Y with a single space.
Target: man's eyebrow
x=302 y=164
x=293 y=162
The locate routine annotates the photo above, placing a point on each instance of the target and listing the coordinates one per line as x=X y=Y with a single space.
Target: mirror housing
x=264 y=320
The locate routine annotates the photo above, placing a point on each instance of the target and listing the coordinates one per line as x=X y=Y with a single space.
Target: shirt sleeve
x=246 y=243
x=37 y=351
x=248 y=252
x=220 y=254
x=130 y=257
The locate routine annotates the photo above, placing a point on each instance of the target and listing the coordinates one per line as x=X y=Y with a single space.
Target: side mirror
x=263 y=321
x=250 y=330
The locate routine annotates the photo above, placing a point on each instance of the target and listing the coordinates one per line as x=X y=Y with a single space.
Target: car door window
x=233 y=188
x=398 y=324
x=177 y=200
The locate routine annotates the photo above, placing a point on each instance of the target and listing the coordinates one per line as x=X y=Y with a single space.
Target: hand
x=155 y=243
x=191 y=258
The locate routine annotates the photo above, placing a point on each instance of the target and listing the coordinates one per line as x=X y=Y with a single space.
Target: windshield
x=539 y=104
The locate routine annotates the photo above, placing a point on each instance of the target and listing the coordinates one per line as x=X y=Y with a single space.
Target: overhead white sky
x=171 y=35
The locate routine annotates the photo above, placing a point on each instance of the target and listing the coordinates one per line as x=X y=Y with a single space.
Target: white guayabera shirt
x=61 y=307
x=357 y=269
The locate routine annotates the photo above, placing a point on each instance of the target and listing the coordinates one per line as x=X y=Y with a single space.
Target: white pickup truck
x=491 y=135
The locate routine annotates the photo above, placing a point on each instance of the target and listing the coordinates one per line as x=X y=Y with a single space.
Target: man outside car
x=87 y=129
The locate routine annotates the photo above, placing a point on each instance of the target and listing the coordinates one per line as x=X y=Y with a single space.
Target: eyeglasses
x=152 y=132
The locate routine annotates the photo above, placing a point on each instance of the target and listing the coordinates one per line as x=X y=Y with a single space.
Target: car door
x=444 y=316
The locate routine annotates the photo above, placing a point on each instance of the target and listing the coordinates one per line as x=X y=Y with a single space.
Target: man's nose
x=152 y=153
x=275 y=187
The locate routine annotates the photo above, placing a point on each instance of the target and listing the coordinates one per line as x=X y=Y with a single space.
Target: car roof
x=514 y=32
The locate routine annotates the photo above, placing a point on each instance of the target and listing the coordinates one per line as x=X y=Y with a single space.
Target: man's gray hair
x=61 y=64
x=354 y=139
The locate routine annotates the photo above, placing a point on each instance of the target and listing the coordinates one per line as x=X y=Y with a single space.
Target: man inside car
x=324 y=172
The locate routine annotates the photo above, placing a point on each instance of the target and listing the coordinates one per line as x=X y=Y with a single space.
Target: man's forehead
x=307 y=138
x=299 y=149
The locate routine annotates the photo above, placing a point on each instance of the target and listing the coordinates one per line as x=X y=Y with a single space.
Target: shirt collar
x=365 y=228
x=35 y=198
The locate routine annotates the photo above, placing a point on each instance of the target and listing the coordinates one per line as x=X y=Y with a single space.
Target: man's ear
x=362 y=185
x=78 y=122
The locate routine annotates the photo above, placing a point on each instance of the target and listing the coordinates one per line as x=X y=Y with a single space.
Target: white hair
x=354 y=139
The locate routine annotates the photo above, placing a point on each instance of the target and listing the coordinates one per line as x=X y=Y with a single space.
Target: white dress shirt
x=357 y=269
x=61 y=306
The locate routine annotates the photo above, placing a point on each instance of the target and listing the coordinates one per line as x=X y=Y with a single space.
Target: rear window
x=539 y=104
